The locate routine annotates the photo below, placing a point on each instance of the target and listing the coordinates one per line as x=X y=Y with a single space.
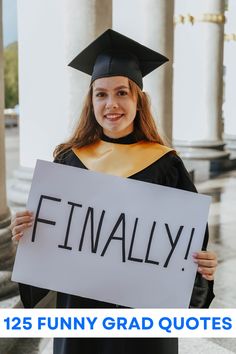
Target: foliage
x=11 y=75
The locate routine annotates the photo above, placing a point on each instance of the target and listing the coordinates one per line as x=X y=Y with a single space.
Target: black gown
x=168 y=171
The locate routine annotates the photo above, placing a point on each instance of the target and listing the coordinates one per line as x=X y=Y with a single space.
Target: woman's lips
x=113 y=116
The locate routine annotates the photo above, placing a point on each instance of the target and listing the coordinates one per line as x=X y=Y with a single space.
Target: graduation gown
x=168 y=171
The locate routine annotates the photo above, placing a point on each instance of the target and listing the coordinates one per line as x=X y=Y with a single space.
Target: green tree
x=11 y=75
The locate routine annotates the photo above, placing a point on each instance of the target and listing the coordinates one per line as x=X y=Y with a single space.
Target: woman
x=115 y=129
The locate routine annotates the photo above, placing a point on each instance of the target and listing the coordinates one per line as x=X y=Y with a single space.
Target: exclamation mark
x=189 y=244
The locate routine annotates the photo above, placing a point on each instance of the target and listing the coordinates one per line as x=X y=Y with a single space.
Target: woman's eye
x=100 y=94
x=122 y=93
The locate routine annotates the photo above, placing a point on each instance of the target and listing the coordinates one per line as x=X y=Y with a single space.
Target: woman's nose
x=111 y=103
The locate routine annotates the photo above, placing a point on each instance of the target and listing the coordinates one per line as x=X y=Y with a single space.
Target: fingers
x=207 y=273
x=208 y=277
x=17 y=237
x=21 y=227
x=207 y=262
x=205 y=255
x=16 y=218
x=20 y=222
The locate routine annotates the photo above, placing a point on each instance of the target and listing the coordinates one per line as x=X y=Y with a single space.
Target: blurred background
x=193 y=100
x=10 y=44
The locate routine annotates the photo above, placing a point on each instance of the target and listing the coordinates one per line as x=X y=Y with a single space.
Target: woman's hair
x=89 y=131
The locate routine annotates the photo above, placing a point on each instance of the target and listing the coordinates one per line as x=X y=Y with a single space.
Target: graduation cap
x=113 y=54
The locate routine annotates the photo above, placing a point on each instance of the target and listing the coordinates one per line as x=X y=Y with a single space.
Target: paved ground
x=222 y=240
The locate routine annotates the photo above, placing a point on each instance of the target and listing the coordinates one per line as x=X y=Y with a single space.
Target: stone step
x=205 y=345
x=7 y=247
x=11 y=302
x=7 y=287
x=28 y=346
x=48 y=347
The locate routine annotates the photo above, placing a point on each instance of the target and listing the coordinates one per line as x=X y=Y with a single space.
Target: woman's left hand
x=207 y=262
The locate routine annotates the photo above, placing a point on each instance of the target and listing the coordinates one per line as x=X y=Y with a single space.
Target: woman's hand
x=20 y=222
x=207 y=262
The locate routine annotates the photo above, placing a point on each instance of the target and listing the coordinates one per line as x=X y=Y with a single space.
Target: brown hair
x=89 y=131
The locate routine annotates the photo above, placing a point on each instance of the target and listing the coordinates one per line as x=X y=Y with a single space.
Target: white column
x=84 y=21
x=229 y=110
x=50 y=34
x=7 y=249
x=198 y=79
x=4 y=211
x=151 y=23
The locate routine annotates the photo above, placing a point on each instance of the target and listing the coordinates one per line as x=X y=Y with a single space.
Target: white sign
x=110 y=238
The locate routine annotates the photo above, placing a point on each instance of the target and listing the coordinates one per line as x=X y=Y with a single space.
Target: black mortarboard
x=113 y=54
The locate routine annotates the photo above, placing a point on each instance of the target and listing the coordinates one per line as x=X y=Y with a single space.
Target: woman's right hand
x=20 y=222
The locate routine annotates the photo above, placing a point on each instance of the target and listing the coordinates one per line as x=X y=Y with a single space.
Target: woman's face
x=114 y=106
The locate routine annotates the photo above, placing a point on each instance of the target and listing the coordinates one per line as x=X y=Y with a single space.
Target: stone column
x=229 y=110
x=198 y=79
x=7 y=249
x=50 y=34
x=4 y=210
x=84 y=21
x=151 y=23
